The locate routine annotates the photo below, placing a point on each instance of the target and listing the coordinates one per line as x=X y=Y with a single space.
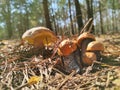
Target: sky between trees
x=17 y=16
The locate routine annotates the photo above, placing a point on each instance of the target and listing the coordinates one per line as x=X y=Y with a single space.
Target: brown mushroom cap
x=39 y=36
x=95 y=46
x=83 y=36
x=66 y=47
x=89 y=57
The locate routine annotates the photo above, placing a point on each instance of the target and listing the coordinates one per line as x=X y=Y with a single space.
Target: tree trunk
x=101 y=20
x=93 y=30
x=46 y=14
x=26 y=18
x=8 y=20
x=78 y=15
x=107 y=21
x=90 y=13
x=88 y=9
x=54 y=22
x=71 y=21
x=113 y=15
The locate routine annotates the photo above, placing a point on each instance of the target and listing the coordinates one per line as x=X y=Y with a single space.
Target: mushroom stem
x=84 y=44
x=78 y=60
x=98 y=54
x=71 y=62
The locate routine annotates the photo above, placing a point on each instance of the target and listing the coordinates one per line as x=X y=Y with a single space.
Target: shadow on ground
x=111 y=60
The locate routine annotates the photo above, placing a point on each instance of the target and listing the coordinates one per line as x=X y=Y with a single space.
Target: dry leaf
x=34 y=80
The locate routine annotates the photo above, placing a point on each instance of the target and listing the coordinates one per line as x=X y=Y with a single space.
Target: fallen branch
x=86 y=25
x=108 y=79
x=22 y=86
x=66 y=79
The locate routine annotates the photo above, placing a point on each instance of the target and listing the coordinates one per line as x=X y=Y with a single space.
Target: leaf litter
x=19 y=63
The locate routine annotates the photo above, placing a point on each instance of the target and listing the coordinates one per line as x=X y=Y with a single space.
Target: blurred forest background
x=62 y=16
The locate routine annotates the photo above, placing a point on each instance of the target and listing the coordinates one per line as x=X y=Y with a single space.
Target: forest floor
x=17 y=66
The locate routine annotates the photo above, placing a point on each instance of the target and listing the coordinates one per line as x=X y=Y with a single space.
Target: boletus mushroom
x=85 y=36
x=82 y=41
x=66 y=47
x=69 y=55
x=39 y=37
x=95 y=47
x=88 y=58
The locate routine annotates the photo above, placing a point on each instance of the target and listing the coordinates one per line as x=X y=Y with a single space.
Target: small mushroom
x=95 y=47
x=39 y=37
x=88 y=58
x=66 y=47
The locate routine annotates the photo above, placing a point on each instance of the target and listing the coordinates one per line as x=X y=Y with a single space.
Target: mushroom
x=95 y=47
x=89 y=58
x=82 y=41
x=39 y=37
x=88 y=37
x=70 y=55
x=66 y=47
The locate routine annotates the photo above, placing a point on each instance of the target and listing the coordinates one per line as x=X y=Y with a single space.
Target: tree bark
x=78 y=15
x=46 y=14
x=90 y=13
x=101 y=20
x=71 y=21
x=88 y=9
x=113 y=15
x=27 y=18
x=8 y=19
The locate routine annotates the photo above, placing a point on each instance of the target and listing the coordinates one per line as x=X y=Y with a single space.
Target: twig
x=22 y=86
x=66 y=79
x=89 y=68
x=8 y=86
x=87 y=82
x=90 y=27
x=88 y=22
x=55 y=49
x=6 y=64
x=102 y=63
x=108 y=79
x=59 y=71
x=9 y=61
